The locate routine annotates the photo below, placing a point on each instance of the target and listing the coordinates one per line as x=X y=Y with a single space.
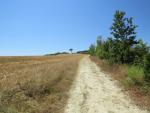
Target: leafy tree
x=99 y=47
x=141 y=50
x=123 y=31
x=99 y=41
x=124 y=48
x=92 y=50
x=108 y=48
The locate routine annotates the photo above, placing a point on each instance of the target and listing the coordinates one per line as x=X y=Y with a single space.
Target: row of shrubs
x=124 y=48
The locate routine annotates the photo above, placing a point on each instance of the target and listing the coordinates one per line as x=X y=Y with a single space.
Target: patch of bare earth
x=95 y=92
x=36 y=84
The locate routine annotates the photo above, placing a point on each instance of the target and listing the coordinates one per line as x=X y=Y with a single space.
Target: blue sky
x=36 y=27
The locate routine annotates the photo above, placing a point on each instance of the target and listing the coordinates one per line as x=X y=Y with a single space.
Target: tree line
x=123 y=47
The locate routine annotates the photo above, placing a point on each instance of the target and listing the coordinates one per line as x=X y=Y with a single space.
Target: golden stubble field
x=36 y=84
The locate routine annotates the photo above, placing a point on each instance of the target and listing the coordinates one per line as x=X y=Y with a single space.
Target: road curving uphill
x=95 y=92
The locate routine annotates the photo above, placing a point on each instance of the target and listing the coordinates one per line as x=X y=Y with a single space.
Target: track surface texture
x=95 y=92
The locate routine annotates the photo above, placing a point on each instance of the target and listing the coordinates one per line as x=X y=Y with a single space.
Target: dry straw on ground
x=36 y=84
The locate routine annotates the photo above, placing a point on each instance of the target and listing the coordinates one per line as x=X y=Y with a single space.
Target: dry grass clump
x=36 y=84
x=121 y=73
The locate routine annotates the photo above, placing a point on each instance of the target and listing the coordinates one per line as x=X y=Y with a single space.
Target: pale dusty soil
x=95 y=92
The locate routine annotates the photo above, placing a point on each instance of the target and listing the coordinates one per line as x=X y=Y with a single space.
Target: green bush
x=128 y=82
x=92 y=50
x=147 y=67
x=136 y=74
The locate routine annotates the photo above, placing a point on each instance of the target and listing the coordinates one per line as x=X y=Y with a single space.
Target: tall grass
x=136 y=74
x=36 y=84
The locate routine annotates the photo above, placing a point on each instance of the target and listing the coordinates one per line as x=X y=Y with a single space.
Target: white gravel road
x=95 y=92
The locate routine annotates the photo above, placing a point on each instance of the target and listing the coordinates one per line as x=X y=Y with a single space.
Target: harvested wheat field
x=36 y=84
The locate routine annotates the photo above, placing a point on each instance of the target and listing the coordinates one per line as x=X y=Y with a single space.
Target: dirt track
x=95 y=92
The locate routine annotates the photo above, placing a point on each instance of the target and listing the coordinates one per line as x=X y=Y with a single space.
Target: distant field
x=36 y=84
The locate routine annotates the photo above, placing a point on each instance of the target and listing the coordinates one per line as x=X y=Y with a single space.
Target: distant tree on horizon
x=71 y=50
